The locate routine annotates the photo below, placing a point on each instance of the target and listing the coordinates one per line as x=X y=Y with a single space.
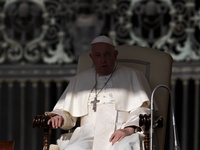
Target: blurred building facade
x=40 y=41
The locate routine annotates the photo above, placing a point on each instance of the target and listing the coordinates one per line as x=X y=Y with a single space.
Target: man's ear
x=90 y=55
x=116 y=53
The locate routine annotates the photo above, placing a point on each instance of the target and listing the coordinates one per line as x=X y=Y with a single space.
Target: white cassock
x=119 y=106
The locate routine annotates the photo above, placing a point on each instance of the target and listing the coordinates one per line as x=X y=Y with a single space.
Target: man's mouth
x=104 y=66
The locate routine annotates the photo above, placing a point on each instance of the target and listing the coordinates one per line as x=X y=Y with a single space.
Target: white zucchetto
x=102 y=39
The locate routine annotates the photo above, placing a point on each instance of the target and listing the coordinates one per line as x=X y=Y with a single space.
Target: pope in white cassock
x=108 y=98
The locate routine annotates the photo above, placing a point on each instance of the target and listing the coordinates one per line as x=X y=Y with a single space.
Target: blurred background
x=40 y=41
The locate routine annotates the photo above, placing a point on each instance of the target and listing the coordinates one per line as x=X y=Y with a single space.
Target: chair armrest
x=145 y=122
x=40 y=121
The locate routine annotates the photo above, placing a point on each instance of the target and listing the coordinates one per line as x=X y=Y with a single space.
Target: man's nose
x=103 y=59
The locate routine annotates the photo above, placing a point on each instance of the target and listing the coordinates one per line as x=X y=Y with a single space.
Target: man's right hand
x=56 y=121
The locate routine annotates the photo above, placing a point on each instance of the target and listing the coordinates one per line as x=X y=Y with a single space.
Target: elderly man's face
x=103 y=56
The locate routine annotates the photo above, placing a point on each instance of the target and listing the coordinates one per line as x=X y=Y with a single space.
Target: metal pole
x=176 y=143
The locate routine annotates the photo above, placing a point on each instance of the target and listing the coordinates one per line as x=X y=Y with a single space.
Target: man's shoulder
x=85 y=73
x=127 y=68
x=129 y=71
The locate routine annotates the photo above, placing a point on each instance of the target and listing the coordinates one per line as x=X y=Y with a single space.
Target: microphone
x=176 y=142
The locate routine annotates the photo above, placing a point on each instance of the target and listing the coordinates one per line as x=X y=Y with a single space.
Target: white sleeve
x=133 y=117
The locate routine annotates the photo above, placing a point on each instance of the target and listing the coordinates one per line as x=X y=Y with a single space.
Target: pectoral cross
x=94 y=102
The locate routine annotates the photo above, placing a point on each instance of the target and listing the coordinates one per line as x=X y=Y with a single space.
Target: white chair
x=157 y=67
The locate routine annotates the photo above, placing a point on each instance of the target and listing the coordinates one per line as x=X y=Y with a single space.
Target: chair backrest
x=157 y=67
x=6 y=145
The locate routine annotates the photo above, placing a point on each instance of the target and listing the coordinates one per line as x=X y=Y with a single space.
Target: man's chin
x=104 y=72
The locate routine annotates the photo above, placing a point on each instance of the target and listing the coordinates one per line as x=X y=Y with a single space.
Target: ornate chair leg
x=145 y=121
x=47 y=135
x=146 y=141
x=40 y=121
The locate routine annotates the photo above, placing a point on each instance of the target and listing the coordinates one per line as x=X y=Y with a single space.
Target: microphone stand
x=176 y=143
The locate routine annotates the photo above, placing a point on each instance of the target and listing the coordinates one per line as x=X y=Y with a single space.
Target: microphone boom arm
x=176 y=143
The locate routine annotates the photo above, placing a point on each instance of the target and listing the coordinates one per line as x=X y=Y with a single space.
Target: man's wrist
x=130 y=130
x=136 y=128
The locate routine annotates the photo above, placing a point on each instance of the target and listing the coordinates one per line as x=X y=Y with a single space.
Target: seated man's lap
x=132 y=142
x=81 y=139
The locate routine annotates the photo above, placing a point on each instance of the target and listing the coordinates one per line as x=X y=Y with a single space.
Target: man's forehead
x=102 y=46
